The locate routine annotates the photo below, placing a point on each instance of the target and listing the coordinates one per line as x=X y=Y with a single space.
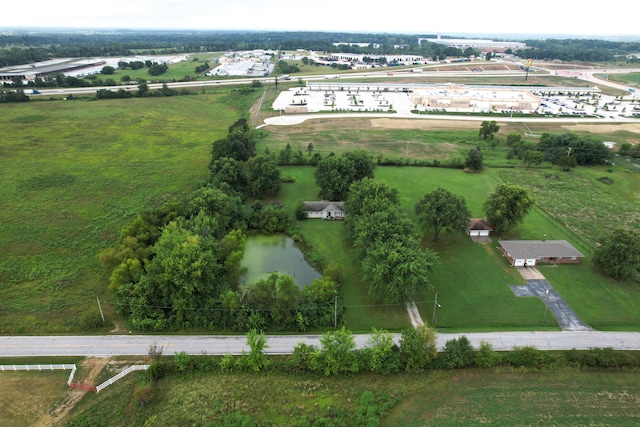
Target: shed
x=324 y=209
x=478 y=227
x=531 y=252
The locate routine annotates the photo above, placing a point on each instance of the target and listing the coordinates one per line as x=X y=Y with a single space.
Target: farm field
x=73 y=174
x=497 y=397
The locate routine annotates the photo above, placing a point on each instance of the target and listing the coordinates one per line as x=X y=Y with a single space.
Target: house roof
x=322 y=205
x=528 y=249
x=479 y=224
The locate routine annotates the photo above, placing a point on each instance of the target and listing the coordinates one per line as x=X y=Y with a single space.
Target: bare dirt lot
x=387 y=123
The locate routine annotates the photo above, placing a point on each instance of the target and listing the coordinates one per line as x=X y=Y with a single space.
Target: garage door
x=484 y=233
x=519 y=263
x=474 y=233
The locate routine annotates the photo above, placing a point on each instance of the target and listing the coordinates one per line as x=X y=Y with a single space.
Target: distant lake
x=265 y=254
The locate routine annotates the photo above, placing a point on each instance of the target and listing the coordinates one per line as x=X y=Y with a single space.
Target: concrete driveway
x=538 y=286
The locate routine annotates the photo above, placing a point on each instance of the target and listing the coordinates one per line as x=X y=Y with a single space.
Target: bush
x=486 y=357
x=300 y=212
x=91 y=319
x=458 y=353
x=528 y=357
x=601 y=358
x=300 y=359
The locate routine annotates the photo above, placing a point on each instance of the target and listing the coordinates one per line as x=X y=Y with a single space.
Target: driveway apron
x=542 y=289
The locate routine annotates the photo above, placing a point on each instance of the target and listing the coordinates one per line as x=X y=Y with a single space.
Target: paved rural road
x=138 y=345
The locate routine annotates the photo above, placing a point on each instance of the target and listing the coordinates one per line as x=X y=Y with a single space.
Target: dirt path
x=90 y=369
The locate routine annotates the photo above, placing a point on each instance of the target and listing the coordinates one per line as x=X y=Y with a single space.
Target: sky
x=543 y=17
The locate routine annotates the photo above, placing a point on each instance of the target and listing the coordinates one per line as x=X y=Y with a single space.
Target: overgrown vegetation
x=337 y=384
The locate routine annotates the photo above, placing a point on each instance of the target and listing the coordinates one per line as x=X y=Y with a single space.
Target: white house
x=324 y=209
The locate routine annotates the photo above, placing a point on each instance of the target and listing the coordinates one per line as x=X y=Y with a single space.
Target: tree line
x=24 y=48
x=589 y=50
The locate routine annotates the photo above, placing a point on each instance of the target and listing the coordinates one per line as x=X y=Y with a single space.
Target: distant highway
x=364 y=75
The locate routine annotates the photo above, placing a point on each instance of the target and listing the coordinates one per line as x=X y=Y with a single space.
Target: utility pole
x=335 y=313
x=100 y=308
x=435 y=304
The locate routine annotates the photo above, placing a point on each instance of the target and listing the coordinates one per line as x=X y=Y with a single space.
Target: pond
x=265 y=254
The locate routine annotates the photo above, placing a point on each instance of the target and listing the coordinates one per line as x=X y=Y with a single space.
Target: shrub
x=300 y=212
x=300 y=359
x=486 y=357
x=528 y=357
x=458 y=353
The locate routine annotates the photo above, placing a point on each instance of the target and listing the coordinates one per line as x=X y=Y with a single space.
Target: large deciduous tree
x=618 y=254
x=239 y=144
x=442 y=209
x=334 y=174
x=263 y=176
x=507 y=206
x=180 y=280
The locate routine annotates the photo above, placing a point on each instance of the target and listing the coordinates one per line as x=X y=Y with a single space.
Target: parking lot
x=363 y=97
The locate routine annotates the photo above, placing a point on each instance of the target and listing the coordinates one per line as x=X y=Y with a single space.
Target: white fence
x=121 y=374
x=40 y=368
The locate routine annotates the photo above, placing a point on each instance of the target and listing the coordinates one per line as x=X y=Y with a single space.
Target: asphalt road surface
x=138 y=345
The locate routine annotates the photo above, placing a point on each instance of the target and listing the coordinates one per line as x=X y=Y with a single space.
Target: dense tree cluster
x=17 y=95
x=178 y=266
x=577 y=49
x=386 y=242
x=584 y=149
x=335 y=174
x=628 y=149
x=618 y=254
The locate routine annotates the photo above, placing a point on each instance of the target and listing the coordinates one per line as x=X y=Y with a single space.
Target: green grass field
x=466 y=397
x=176 y=71
x=73 y=174
x=473 y=279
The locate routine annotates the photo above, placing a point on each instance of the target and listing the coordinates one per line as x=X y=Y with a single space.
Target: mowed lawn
x=472 y=280
x=72 y=174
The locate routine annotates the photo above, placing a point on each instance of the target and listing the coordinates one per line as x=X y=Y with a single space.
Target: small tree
x=337 y=354
x=618 y=254
x=474 y=160
x=382 y=355
x=418 y=348
x=532 y=157
x=488 y=129
x=256 y=359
